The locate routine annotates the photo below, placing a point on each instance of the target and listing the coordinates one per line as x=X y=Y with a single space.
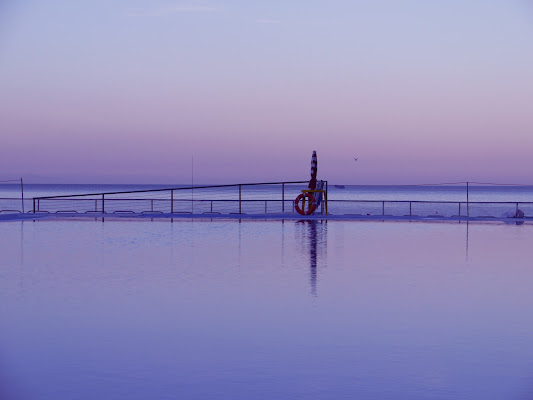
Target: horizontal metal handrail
x=175 y=200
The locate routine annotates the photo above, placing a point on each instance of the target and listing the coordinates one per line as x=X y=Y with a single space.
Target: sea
x=201 y=309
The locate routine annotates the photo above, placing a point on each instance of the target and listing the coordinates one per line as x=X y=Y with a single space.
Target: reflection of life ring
x=310 y=200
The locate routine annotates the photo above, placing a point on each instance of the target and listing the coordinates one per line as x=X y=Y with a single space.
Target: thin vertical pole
x=34 y=205
x=383 y=208
x=283 y=197
x=240 y=199
x=467 y=201
x=323 y=194
x=103 y=203
x=410 y=208
x=326 y=197
x=22 y=191
x=192 y=184
x=459 y=208
x=172 y=201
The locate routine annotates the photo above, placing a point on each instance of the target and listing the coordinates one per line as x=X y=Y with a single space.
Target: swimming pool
x=201 y=309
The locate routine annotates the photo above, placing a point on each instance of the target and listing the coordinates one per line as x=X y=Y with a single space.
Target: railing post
x=467 y=201
x=22 y=192
x=172 y=201
x=326 y=197
x=410 y=208
x=383 y=208
x=240 y=199
x=34 y=205
x=283 y=197
x=103 y=203
x=459 y=208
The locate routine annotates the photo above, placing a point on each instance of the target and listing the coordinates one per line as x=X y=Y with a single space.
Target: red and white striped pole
x=314 y=169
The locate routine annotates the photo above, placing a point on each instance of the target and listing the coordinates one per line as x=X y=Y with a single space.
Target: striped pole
x=314 y=169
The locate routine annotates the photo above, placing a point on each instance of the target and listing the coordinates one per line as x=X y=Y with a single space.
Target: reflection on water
x=314 y=241
x=222 y=309
x=467 y=234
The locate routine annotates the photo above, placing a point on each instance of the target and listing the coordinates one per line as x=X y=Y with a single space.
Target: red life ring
x=311 y=201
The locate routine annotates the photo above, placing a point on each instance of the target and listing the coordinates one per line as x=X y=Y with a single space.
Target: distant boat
x=340 y=186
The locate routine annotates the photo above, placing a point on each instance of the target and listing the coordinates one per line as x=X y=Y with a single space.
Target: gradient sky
x=128 y=91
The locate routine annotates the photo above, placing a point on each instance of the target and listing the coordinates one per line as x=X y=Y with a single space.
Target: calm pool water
x=265 y=310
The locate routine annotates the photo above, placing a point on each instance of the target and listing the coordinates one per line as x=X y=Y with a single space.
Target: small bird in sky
x=356 y=158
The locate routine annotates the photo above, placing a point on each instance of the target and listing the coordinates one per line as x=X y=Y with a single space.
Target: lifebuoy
x=310 y=200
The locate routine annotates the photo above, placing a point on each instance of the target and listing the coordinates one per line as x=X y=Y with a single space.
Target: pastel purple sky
x=126 y=91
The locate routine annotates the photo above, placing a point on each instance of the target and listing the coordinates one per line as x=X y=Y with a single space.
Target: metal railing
x=267 y=197
x=427 y=208
x=403 y=208
x=14 y=205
